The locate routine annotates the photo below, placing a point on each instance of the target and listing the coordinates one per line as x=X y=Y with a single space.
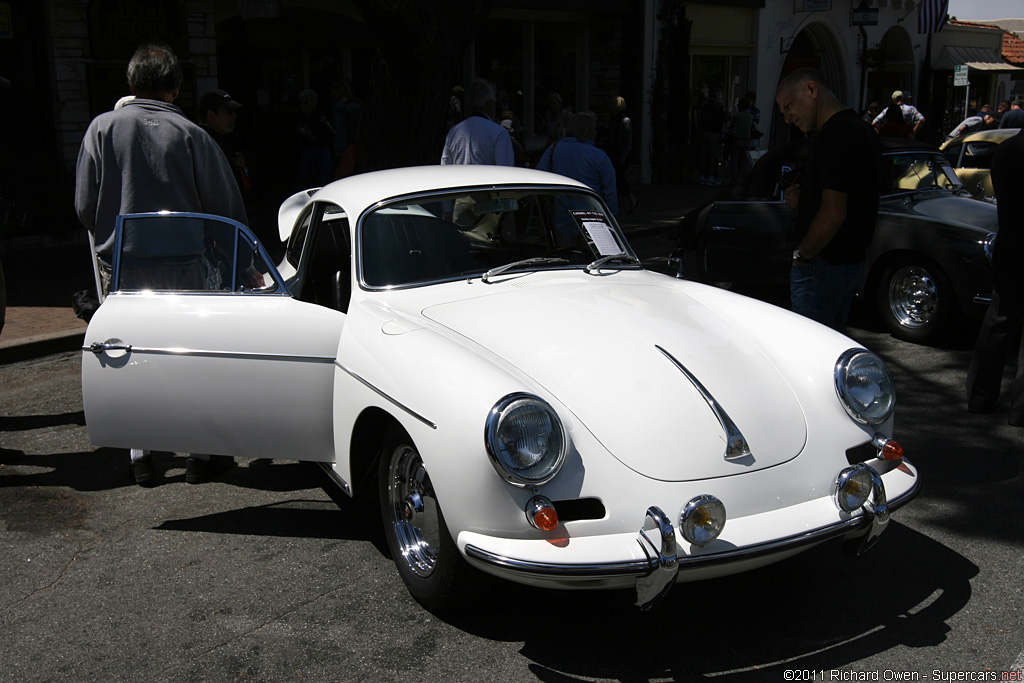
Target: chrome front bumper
x=655 y=575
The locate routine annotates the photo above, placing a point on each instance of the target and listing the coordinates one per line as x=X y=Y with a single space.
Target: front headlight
x=865 y=386
x=525 y=440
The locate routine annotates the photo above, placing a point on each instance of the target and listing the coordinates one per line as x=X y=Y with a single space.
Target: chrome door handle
x=101 y=347
x=722 y=227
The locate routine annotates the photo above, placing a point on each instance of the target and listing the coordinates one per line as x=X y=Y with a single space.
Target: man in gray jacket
x=147 y=156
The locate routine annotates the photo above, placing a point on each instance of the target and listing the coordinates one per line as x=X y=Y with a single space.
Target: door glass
x=188 y=253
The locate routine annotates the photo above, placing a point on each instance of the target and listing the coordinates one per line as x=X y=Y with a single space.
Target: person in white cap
x=911 y=115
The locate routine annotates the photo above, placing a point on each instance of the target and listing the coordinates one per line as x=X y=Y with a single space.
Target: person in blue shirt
x=576 y=156
x=477 y=139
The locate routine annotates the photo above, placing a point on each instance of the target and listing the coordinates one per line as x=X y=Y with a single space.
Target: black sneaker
x=143 y=468
x=197 y=471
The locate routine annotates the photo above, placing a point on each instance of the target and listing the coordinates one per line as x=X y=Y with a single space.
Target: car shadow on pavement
x=819 y=610
x=108 y=468
x=296 y=518
x=28 y=423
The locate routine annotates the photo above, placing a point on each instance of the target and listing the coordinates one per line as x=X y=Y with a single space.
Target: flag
x=931 y=15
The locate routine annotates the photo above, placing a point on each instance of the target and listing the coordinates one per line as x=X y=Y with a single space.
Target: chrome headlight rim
x=704 y=503
x=842 y=376
x=550 y=465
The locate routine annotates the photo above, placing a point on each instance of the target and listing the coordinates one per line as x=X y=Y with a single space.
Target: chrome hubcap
x=913 y=297
x=414 y=511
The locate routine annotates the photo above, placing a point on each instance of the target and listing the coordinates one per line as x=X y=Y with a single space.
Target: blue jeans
x=823 y=291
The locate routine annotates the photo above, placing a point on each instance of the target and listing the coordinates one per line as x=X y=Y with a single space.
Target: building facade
x=65 y=60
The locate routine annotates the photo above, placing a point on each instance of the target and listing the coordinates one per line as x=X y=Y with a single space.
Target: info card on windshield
x=595 y=227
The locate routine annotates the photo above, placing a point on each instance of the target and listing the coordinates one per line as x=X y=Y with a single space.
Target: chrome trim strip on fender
x=98 y=348
x=101 y=347
x=389 y=399
x=736 y=446
x=638 y=568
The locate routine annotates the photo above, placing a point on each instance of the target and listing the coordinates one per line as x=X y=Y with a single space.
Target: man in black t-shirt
x=836 y=202
x=1005 y=316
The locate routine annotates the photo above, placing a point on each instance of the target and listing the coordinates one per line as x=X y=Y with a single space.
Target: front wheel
x=422 y=547
x=915 y=301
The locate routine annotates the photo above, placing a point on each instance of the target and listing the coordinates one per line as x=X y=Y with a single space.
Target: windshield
x=467 y=234
x=920 y=170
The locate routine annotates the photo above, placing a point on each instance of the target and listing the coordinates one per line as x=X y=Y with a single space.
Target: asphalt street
x=261 y=576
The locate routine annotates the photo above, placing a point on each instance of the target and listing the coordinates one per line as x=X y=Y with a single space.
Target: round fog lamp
x=702 y=519
x=853 y=486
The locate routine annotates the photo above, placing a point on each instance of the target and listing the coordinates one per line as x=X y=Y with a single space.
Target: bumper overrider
x=656 y=567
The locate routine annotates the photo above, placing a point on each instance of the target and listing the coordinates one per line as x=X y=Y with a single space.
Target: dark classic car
x=927 y=264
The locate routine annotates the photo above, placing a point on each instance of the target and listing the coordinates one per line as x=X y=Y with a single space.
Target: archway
x=815 y=47
x=892 y=67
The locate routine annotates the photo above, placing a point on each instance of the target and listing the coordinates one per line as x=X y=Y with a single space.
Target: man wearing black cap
x=217 y=115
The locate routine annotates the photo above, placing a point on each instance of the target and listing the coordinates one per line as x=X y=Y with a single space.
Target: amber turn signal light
x=888 y=449
x=892 y=451
x=542 y=514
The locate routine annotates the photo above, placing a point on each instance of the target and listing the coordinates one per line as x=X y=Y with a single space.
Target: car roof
x=356 y=193
x=994 y=135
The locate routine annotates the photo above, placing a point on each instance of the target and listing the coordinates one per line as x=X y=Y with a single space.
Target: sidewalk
x=41 y=280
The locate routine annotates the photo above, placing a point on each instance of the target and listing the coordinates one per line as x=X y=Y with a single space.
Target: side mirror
x=666 y=265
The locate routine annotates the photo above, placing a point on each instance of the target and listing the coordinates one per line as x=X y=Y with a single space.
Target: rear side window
x=978 y=155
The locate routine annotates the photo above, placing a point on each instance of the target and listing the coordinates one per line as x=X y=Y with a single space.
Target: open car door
x=200 y=348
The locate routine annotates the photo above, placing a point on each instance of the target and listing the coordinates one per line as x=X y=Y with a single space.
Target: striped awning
x=980 y=58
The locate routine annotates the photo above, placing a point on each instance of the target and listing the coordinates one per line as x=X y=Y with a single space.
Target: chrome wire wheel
x=914 y=297
x=412 y=511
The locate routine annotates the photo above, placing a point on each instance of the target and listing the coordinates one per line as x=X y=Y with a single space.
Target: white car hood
x=593 y=345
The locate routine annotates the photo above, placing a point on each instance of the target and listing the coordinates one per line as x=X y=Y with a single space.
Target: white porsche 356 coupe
x=479 y=348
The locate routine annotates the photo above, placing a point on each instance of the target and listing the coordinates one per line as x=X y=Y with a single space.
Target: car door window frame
x=315 y=229
x=241 y=235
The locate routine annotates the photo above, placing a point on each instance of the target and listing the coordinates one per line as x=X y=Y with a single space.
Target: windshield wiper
x=536 y=261
x=596 y=265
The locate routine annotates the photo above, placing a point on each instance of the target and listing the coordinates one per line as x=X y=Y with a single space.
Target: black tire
x=422 y=547
x=915 y=301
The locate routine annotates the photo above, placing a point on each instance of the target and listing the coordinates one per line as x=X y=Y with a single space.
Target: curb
x=27 y=348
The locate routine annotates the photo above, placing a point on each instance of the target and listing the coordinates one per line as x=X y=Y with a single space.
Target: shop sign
x=865 y=17
x=812 y=5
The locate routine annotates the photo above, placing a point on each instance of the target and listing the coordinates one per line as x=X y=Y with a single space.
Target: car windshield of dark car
x=466 y=234
x=914 y=171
